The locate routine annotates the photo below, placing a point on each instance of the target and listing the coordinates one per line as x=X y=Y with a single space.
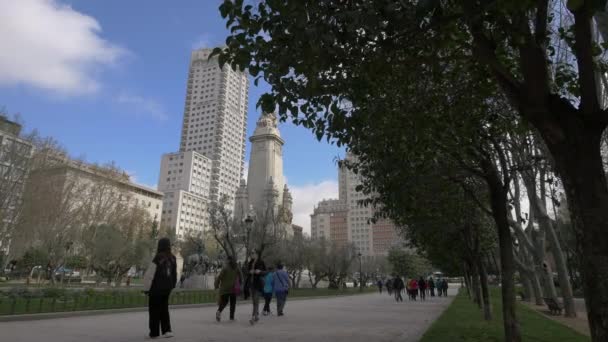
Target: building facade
x=185 y=181
x=345 y=220
x=215 y=120
x=211 y=157
x=15 y=157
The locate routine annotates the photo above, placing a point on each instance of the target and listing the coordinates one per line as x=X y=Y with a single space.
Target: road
x=370 y=317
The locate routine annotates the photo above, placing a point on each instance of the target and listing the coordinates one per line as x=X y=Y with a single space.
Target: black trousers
x=267 y=300
x=398 y=296
x=224 y=301
x=158 y=309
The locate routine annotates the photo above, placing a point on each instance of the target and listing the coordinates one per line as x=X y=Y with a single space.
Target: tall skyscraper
x=215 y=120
x=211 y=156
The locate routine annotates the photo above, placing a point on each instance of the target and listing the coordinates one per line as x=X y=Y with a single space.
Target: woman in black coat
x=159 y=280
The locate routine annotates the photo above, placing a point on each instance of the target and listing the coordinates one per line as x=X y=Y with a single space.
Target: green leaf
x=575 y=5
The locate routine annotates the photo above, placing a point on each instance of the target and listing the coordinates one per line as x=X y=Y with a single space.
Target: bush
x=89 y=292
x=22 y=292
x=53 y=292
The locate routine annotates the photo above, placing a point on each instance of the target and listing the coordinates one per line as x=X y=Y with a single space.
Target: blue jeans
x=281 y=299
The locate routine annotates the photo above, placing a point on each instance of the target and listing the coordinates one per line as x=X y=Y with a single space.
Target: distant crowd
x=413 y=287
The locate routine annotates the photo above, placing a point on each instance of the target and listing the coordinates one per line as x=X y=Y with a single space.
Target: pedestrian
x=159 y=280
x=398 y=286
x=268 y=290
x=439 y=286
x=389 y=286
x=422 y=287
x=414 y=288
x=229 y=287
x=255 y=283
x=444 y=287
x=431 y=283
x=379 y=283
x=281 y=288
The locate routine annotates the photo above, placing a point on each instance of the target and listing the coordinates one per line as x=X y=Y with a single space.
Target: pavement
x=370 y=317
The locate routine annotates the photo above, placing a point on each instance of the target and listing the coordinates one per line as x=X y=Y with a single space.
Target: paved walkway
x=371 y=317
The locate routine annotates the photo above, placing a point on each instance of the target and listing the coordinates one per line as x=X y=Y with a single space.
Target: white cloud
x=246 y=170
x=142 y=106
x=307 y=196
x=50 y=46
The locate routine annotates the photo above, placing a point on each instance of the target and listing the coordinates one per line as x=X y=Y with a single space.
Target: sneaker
x=265 y=313
x=256 y=318
x=218 y=316
x=280 y=314
x=168 y=334
x=252 y=321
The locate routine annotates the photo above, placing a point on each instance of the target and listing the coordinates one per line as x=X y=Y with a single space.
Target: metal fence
x=96 y=301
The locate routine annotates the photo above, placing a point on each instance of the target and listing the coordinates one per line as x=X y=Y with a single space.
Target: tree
x=409 y=264
x=120 y=244
x=317 y=54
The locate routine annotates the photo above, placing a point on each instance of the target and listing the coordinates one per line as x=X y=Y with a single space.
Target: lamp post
x=360 y=274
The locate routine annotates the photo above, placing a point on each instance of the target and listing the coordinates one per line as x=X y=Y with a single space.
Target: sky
x=107 y=79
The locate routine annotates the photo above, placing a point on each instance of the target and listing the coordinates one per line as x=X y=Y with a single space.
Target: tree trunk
x=498 y=202
x=527 y=286
x=565 y=285
x=467 y=281
x=485 y=292
x=476 y=288
x=574 y=143
x=538 y=292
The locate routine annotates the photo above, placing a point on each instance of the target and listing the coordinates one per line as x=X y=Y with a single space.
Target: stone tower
x=265 y=162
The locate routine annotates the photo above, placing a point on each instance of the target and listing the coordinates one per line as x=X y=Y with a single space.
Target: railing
x=99 y=300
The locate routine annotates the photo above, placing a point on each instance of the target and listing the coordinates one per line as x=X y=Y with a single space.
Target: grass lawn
x=114 y=299
x=463 y=321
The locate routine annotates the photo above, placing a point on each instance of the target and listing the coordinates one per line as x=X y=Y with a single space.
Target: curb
x=69 y=314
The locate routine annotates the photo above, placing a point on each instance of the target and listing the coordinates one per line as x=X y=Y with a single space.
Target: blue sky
x=107 y=79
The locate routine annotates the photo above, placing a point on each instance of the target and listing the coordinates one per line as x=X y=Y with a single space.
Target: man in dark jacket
x=256 y=269
x=159 y=280
x=398 y=286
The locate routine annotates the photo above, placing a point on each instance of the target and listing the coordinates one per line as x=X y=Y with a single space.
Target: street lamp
x=360 y=274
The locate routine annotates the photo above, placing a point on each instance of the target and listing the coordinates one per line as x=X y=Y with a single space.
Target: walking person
x=228 y=284
x=159 y=280
x=444 y=287
x=422 y=287
x=379 y=283
x=389 y=286
x=268 y=290
x=414 y=288
x=398 y=288
x=431 y=284
x=281 y=288
x=255 y=283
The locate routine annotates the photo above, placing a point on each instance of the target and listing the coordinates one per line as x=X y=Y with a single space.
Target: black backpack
x=165 y=276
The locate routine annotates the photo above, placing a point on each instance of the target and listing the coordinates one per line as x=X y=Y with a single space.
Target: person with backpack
x=229 y=287
x=159 y=280
x=255 y=283
x=268 y=290
x=281 y=288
